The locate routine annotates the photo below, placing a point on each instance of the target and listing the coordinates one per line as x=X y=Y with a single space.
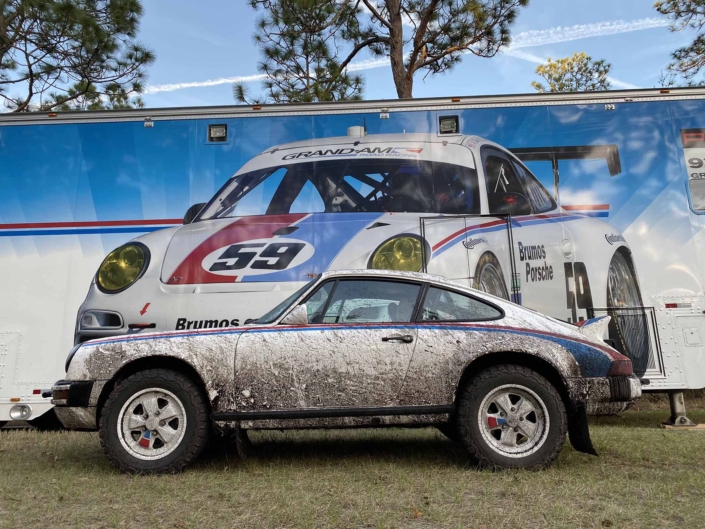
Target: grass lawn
x=644 y=477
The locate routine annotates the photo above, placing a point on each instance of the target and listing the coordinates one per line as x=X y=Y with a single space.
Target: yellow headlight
x=400 y=253
x=122 y=267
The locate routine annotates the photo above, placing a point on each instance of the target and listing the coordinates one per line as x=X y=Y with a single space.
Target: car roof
x=393 y=274
x=371 y=138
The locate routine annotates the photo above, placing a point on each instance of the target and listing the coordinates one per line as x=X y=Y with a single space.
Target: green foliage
x=59 y=54
x=300 y=42
x=688 y=60
x=416 y=35
x=578 y=73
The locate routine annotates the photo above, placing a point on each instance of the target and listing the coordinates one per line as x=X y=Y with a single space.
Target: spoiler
x=609 y=153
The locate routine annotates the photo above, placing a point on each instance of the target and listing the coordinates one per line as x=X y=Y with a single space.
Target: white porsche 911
x=352 y=349
x=457 y=206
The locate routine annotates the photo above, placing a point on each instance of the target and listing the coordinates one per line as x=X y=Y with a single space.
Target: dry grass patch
x=644 y=477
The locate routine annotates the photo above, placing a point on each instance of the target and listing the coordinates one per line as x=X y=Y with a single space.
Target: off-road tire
x=197 y=422
x=479 y=386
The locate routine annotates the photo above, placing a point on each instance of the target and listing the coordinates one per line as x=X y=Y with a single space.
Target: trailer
x=577 y=205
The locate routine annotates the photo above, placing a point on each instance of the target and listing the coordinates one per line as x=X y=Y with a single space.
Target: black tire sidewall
x=191 y=399
x=484 y=260
x=469 y=427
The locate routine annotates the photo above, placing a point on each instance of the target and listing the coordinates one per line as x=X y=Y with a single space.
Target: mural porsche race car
x=458 y=206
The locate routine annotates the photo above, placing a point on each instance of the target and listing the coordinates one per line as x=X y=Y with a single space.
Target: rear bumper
x=605 y=395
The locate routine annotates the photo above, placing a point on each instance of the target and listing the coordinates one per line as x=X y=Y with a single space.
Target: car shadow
x=323 y=447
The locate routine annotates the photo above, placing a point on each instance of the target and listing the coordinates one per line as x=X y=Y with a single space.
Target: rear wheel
x=510 y=416
x=489 y=277
x=155 y=421
x=628 y=328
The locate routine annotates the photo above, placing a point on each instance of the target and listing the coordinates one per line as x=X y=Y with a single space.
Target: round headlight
x=399 y=253
x=122 y=267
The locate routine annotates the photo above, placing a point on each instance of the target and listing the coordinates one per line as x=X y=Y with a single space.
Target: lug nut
x=514 y=409
x=502 y=414
x=156 y=413
x=162 y=423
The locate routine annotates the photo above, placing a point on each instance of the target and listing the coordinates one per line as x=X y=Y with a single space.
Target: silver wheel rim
x=513 y=421
x=623 y=292
x=151 y=424
x=491 y=282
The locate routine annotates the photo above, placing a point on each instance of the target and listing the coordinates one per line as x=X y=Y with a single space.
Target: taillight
x=621 y=367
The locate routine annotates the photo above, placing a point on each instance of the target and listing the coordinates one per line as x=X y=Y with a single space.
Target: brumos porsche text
x=535 y=252
x=183 y=324
x=391 y=152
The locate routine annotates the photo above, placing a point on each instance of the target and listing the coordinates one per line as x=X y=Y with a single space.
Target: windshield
x=277 y=311
x=393 y=185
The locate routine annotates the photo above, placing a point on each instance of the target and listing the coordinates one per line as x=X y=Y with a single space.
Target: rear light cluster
x=621 y=367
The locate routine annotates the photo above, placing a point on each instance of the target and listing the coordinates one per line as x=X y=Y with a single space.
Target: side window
x=317 y=302
x=365 y=301
x=444 y=305
x=505 y=192
x=538 y=196
x=256 y=201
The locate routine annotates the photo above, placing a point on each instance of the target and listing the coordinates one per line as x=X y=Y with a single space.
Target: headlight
x=122 y=267
x=405 y=252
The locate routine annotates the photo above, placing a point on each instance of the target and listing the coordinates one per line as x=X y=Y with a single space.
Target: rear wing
x=610 y=153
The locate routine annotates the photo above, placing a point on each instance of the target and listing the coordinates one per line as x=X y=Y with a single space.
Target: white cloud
x=153 y=89
x=520 y=40
x=584 y=31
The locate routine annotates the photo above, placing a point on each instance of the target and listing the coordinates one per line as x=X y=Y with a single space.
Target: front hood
x=272 y=248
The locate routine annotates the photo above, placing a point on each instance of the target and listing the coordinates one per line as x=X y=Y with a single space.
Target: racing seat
x=408 y=192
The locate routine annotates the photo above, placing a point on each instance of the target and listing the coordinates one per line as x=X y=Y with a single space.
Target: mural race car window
x=505 y=192
x=333 y=186
x=365 y=301
x=445 y=305
x=538 y=196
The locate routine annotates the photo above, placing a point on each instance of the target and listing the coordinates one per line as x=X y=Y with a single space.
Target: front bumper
x=605 y=395
x=76 y=403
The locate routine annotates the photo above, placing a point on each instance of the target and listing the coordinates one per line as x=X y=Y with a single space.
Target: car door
x=537 y=231
x=446 y=344
x=354 y=352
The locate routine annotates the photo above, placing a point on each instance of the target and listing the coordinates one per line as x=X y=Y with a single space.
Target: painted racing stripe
x=26 y=229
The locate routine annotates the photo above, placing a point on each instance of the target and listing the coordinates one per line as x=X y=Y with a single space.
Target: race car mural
x=459 y=206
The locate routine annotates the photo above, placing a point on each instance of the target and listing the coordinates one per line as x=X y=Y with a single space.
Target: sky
x=202 y=47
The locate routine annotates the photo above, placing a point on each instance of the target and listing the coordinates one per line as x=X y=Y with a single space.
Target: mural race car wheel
x=628 y=328
x=510 y=416
x=155 y=421
x=489 y=277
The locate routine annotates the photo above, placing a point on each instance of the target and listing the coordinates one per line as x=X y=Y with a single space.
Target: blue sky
x=211 y=41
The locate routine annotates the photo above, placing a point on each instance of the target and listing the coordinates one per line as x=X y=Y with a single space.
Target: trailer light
x=122 y=267
x=36 y=392
x=217 y=133
x=14 y=399
x=449 y=124
x=399 y=253
x=20 y=412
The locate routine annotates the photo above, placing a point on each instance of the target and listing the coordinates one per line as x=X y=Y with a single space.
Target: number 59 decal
x=262 y=256
x=577 y=289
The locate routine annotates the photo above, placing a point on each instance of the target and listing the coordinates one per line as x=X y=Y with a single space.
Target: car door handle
x=406 y=338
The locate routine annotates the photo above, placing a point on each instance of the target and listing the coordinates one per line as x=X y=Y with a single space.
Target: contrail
x=524 y=39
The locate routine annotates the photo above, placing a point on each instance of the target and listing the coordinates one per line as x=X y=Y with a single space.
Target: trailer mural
x=626 y=175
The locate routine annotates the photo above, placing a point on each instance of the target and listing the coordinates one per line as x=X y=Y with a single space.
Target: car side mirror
x=298 y=316
x=511 y=204
x=192 y=212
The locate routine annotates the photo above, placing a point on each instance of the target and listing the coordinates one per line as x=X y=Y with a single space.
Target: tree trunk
x=402 y=81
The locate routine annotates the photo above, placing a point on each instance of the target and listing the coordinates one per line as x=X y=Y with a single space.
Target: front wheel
x=155 y=421
x=510 y=416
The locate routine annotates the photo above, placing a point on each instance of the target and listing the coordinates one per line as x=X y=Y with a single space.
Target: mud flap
x=579 y=432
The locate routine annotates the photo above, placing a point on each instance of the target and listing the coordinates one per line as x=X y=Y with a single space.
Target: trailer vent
x=217 y=133
x=449 y=124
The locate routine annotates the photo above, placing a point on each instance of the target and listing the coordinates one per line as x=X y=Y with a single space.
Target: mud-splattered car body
x=354 y=373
